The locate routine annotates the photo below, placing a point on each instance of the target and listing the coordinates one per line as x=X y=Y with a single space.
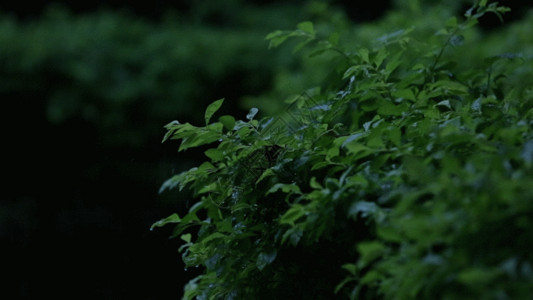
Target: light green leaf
x=213 y=236
x=363 y=53
x=451 y=22
x=343 y=283
x=277 y=38
x=199 y=139
x=404 y=94
x=387 y=108
x=477 y=276
x=208 y=188
x=307 y=27
x=380 y=57
x=351 y=70
x=358 y=149
x=331 y=153
x=389 y=234
x=228 y=122
x=266 y=173
x=173 y=218
x=293 y=214
x=350 y=268
x=334 y=39
x=186 y=237
x=395 y=136
x=314 y=184
x=323 y=164
x=212 y=109
x=370 y=276
x=214 y=154
x=370 y=251
x=286 y=188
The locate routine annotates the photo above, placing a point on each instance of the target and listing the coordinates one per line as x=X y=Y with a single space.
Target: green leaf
x=364 y=54
x=228 y=122
x=350 y=268
x=266 y=173
x=334 y=39
x=314 y=184
x=301 y=45
x=404 y=94
x=208 y=188
x=213 y=236
x=293 y=234
x=173 y=218
x=307 y=27
x=395 y=136
x=266 y=258
x=389 y=234
x=358 y=150
x=380 y=57
x=186 y=237
x=346 y=280
x=277 y=38
x=212 y=109
x=371 y=276
x=214 y=154
x=451 y=22
x=370 y=251
x=477 y=276
x=199 y=139
x=293 y=214
x=386 y=108
x=286 y=188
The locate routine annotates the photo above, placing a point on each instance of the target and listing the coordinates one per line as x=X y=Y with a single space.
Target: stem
x=444 y=48
x=488 y=80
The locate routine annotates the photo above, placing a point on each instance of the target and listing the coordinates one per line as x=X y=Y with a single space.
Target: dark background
x=80 y=195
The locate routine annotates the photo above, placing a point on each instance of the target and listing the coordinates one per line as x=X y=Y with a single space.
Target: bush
x=406 y=176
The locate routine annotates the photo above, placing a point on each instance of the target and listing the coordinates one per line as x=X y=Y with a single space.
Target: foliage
x=407 y=175
x=121 y=74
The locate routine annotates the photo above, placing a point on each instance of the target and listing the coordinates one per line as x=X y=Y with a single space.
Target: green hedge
x=406 y=175
x=126 y=76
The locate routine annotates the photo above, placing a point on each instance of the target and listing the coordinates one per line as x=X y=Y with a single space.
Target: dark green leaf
x=266 y=258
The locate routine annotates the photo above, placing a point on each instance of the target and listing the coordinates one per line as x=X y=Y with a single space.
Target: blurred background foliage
x=87 y=87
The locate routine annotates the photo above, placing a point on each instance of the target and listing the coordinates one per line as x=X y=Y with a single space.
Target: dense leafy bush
x=407 y=175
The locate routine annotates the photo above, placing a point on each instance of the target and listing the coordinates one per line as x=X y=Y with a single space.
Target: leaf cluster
x=410 y=180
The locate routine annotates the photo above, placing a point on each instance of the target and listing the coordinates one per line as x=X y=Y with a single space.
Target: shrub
x=407 y=176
